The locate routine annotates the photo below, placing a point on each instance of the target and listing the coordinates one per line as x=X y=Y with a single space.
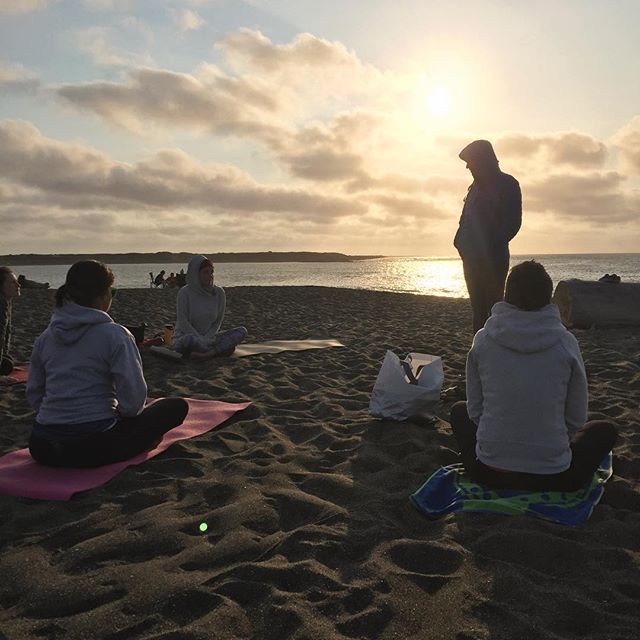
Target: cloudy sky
x=319 y=125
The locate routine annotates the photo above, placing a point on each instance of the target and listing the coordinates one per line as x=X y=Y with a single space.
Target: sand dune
x=310 y=533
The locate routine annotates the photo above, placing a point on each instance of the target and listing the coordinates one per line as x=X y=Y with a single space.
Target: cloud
x=102 y=43
x=169 y=179
x=16 y=7
x=209 y=98
x=188 y=20
x=109 y=5
x=628 y=141
x=212 y=101
x=597 y=198
x=332 y=151
x=413 y=208
x=17 y=79
x=397 y=182
x=249 y=49
x=568 y=148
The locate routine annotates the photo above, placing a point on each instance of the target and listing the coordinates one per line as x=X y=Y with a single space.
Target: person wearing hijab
x=491 y=217
x=200 y=311
x=9 y=289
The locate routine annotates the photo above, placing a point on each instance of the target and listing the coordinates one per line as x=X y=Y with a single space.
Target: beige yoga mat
x=277 y=346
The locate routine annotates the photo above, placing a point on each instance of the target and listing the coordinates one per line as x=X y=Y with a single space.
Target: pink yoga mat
x=21 y=476
x=18 y=375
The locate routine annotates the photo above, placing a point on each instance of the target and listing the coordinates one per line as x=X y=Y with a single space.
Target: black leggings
x=588 y=447
x=6 y=366
x=126 y=439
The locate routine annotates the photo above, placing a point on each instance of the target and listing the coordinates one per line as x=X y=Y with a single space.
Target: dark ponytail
x=86 y=281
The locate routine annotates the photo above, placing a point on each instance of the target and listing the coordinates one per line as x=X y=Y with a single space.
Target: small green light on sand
x=203 y=526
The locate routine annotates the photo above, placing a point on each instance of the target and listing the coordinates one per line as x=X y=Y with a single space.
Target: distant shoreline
x=165 y=257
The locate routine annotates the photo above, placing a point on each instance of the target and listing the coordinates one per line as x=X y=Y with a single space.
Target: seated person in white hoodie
x=86 y=382
x=524 y=424
x=200 y=309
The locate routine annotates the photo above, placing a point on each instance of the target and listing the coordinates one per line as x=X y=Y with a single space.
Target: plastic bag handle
x=409 y=372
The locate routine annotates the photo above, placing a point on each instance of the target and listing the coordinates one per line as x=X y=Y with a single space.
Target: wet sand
x=305 y=496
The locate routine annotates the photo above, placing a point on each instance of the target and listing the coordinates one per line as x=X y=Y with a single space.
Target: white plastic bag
x=409 y=387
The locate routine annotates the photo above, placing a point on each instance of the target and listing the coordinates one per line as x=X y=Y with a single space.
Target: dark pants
x=6 y=366
x=588 y=448
x=485 y=283
x=126 y=439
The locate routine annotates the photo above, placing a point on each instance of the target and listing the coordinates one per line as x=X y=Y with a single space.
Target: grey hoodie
x=85 y=368
x=200 y=310
x=526 y=390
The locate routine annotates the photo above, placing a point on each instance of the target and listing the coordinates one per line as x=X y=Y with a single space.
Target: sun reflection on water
x=439 y=277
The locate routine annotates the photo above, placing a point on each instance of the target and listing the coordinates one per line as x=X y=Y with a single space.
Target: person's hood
x=525 y=331
x=71 y=321
x=193 y=277
x=480 y=151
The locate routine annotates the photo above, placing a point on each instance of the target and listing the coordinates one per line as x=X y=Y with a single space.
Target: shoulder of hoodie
x=567 y=342
x=509 y=183
x=112 y=331
x=183 y=292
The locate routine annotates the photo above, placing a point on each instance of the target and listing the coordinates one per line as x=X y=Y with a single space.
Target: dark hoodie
x=492 y=212
x=526 y=390
x=84 y=369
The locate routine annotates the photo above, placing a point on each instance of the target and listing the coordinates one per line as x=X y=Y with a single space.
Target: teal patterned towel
x=449 y=490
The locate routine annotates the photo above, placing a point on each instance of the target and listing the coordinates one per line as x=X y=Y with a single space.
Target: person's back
x=76 y=352
x=524 y=424
x=527 y=389
x=86 y=382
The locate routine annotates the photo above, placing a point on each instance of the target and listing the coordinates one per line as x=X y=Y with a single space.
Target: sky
x=308 y=125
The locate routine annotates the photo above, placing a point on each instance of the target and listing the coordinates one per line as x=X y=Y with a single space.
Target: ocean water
x=427 y=276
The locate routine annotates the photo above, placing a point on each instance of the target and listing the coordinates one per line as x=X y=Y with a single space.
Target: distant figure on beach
x=31 y=284
x=524 y=424
x=170 y=282
x=159 y=279
x=200 y=307
x=491 y=217
x=181 y=278
x=86 y=382
x=9 y=289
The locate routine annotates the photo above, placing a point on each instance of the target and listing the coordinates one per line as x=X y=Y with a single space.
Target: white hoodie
x=200 y=310
x=526 y=390
x=85 y=368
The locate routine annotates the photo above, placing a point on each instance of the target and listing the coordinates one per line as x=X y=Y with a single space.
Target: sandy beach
x=311 y=534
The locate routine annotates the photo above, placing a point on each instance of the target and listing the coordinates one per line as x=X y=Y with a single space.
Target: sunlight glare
x=439 y=101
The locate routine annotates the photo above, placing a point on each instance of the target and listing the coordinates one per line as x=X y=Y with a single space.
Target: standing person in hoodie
x=200 y=309
x=86 y=382
x=524 y=424
x=491 y=217
x=9 y=289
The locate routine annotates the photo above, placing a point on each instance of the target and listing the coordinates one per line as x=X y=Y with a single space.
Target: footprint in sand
x=428 y=565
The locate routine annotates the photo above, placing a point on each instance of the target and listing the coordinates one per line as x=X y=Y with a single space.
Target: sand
x=310 y=530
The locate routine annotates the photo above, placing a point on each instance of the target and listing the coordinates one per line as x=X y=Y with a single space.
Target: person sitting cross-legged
x=86 y=382
x=524 y=424
x=200 y=309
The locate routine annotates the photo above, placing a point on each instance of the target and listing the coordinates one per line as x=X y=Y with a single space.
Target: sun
x=439 y=101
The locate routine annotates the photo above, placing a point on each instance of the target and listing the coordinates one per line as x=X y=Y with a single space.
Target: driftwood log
x=586 y=303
